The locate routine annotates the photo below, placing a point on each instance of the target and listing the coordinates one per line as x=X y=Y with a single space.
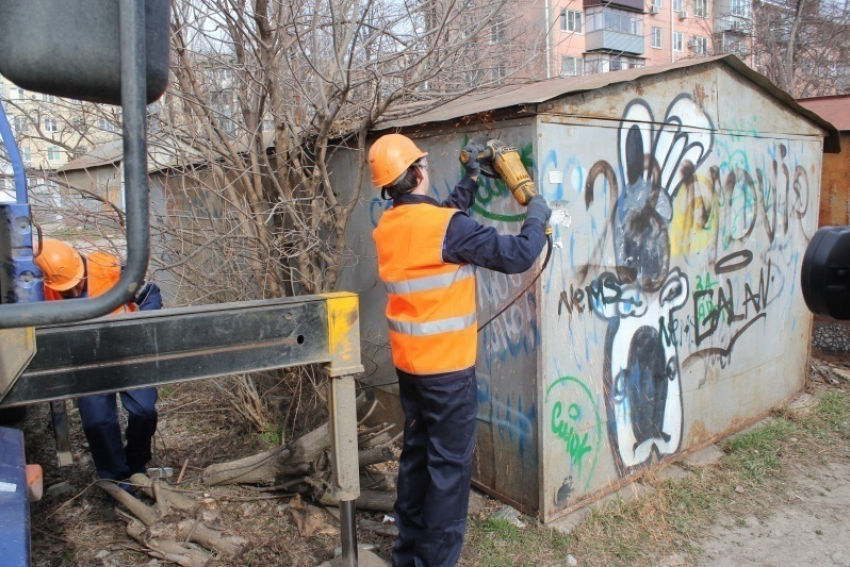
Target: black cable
x=549 y=246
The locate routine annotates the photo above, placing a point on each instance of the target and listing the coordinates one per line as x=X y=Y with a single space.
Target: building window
x=699 y=44
x=678 y=41
x=655 y=4
x=50 y=125
x=268 y=125
x=656 y=38
x=49 y=98
x=571 y=21
x=498 y=30
x=571 y=66
x=741 y=8
x=26 y=155
x=53 y=153
x=79 y=124
x=16 y=93
x=679 y=5
x=22 y=125
x=105 y=125
x=615 y=20
x=499 y=74
x=701 y=8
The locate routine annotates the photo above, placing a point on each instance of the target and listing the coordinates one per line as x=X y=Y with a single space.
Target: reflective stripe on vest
x=431 y=307
x=431 y=282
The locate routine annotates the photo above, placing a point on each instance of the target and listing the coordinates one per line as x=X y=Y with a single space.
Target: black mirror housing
x=825 y=274
x=72 y=48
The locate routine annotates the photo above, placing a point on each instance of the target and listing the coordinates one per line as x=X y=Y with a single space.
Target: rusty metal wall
x=672 y=312
x=506 y=458
x=835 y=195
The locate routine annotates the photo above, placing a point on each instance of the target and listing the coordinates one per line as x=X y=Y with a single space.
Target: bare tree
x=803 y=45
x=263 y=94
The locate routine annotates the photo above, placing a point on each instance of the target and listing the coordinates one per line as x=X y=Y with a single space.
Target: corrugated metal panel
x=833 y=109
x=536 y=93
x=163 y=153
x=106 y=154
x=835 y=187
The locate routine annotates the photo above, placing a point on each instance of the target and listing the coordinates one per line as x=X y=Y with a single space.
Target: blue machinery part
x=14 y=503
x=20 y=280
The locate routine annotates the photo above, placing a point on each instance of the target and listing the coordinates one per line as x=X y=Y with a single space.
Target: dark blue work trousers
x=435 y=469
x=99 y=414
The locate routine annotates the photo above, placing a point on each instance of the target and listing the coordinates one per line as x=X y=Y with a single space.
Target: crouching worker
x=71 y=275
x=426 y=257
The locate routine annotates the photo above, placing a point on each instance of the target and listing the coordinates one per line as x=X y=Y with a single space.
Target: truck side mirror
x=825 y=274
x=72 y=48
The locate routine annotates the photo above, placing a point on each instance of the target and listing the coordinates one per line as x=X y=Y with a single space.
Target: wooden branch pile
x=304 y=466
x=170 y=528
x=175 y=522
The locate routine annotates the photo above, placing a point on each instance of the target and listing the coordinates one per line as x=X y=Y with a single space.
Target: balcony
x=614 y=41
x=631 y=5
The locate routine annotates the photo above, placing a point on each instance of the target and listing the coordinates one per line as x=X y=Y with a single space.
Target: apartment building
x=51 y=131
x=599 y=36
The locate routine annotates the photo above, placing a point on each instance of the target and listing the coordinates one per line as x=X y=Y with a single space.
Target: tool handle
x=484 y=155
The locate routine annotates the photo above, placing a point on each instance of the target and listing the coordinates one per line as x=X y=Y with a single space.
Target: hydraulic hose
x=14 y=157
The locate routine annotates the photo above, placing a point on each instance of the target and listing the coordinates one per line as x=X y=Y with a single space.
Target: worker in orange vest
x=71 y=275
x=426 y=257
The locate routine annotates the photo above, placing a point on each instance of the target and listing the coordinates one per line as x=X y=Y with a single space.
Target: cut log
x=372 y=500
x=375 y=456
x=174 y=499
x=275 y=466
x=188 y=530
x=379 y=528
x=371 y=480
x=167 y=549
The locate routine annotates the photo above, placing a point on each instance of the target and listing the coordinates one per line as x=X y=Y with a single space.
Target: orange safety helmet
x=390 y=156
x=63 y=266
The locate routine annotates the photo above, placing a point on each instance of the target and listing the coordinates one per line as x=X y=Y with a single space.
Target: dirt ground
x=808 y=526
x=807 y=522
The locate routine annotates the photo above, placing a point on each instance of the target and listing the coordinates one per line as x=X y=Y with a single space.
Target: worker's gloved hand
x=538 y=209
x=473 y=168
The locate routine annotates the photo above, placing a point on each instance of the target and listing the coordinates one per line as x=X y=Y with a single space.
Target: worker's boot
x=140 y=432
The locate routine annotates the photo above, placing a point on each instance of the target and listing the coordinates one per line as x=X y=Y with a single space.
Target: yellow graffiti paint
x=694 y=219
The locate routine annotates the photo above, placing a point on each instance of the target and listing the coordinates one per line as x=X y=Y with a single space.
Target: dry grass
x=665 y=525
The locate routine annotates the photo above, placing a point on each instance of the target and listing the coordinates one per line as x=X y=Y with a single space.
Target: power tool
x=499 y=161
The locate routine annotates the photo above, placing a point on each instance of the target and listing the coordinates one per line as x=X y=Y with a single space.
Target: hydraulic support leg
x=342 y=407
x=59 y=416
x=344 y=345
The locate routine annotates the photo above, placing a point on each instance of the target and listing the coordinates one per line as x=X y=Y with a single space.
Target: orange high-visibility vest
x=102 y=272
x=431 y=308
